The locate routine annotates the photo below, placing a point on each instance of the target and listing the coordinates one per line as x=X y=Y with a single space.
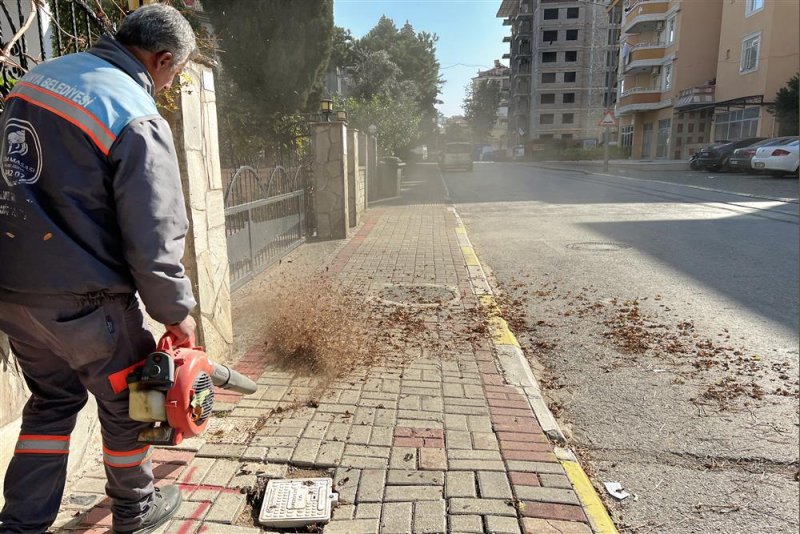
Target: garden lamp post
x=326 y=107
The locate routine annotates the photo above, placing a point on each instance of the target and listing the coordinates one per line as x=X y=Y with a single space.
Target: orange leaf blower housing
x=173 y=388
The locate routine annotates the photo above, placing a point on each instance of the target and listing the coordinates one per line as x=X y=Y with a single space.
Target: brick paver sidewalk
x=436 y=444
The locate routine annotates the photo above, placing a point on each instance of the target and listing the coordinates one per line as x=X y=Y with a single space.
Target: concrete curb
x=513 y=364
x=517 y=371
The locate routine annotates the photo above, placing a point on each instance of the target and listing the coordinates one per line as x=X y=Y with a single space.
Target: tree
x=274 y=55
x=480 y=107
x=396 y=64
x=787 y=107
x=396 y=118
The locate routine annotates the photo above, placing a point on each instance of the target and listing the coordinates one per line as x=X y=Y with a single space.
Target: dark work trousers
x=63 y=353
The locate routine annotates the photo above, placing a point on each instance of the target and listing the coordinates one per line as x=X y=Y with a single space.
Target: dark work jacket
x=91 y=203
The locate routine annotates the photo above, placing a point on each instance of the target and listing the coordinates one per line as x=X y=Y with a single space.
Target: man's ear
x=164 y=59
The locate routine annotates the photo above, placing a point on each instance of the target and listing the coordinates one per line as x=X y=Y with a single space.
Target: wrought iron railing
x=265 y=218
x=32 y=31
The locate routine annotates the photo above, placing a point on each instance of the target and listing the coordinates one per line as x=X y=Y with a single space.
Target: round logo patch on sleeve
x=21 y=153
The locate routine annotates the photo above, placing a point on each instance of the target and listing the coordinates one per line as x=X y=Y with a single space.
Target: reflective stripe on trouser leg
x=122 y=459
x=36 y=444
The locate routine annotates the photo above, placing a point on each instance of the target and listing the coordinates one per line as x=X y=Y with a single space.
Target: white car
x=779 y=159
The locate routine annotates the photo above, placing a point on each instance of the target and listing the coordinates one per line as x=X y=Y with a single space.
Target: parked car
x=779 y=159
x=715 y=157
x=456 y=156
x=741 y=158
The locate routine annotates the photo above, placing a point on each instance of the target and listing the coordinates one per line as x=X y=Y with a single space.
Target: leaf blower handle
x=168 y=342
x=226 y=378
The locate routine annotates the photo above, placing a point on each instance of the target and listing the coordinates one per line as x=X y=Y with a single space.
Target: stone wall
x=330 y=179
x=353 y=177
x=206 y=258
x=361 y=182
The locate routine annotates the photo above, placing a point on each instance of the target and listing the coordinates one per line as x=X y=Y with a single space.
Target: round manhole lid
x=598 y=246
x=418 y=294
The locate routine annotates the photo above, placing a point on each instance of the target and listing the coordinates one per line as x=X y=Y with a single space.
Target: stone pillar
x=353 y=177
x=361 y=181
x=206 y=258
x=373 y=192
x=330 y=179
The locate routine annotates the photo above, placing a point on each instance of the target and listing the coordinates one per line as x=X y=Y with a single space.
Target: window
x=750 y=53
x=691 y=127
x=671 y=30
x=666 y=77
x=701 y=127
x=549 y=57
x=546 y=118
x=568 y=98
x=753 y=6
x=567 y=118
x=572 y=35
x=549 y=36
x=680 y=127
x=548 y=77
x=569 y=77
x=550 y=14
x=566 y=136
x=545 y=136
x=548 y=98
x=572 y=12
x=739 y=124
x=571 y=55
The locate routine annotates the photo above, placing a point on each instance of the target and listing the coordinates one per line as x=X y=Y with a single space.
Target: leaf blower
x=173 y=389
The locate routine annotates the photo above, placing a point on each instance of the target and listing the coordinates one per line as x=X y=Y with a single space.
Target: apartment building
x=758 y=53
x=661 y=95
x=562 y=62
x=696 y=71
x=518 y=15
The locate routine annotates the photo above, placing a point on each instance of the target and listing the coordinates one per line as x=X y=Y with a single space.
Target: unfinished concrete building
x=563 y=61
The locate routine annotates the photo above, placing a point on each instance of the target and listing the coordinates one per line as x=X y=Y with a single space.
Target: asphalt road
x=662 y=320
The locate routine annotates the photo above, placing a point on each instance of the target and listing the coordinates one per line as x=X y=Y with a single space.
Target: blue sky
x=470 y=36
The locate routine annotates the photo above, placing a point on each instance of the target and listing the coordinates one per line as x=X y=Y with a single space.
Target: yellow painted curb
x=470 y=257
x=498 y=327
x=595 y=510
x=461 y=230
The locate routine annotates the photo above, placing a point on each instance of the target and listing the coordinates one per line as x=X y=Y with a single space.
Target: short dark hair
x=159 y=28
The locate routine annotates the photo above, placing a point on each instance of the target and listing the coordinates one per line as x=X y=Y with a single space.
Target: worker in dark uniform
x=91 y=212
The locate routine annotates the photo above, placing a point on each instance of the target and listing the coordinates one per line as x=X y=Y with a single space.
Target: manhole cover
x=598 y=246
x=418 y=294
x=297 y=503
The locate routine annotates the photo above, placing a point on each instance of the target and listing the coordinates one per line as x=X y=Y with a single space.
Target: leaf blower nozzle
x=224 y=377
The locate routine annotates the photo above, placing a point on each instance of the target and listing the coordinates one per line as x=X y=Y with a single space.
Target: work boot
x=162 y=507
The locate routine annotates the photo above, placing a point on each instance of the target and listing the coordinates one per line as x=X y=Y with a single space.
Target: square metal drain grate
x=297 y=502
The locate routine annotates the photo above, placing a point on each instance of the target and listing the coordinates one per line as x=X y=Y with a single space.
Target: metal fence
x=264 y=218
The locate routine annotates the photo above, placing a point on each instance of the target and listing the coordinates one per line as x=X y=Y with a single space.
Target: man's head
x=161 y=39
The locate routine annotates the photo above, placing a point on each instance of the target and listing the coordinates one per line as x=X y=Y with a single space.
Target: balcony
x=644 y=15
x=694 y=97
x=507 y=39
x=641 y=99
x=644 y=56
